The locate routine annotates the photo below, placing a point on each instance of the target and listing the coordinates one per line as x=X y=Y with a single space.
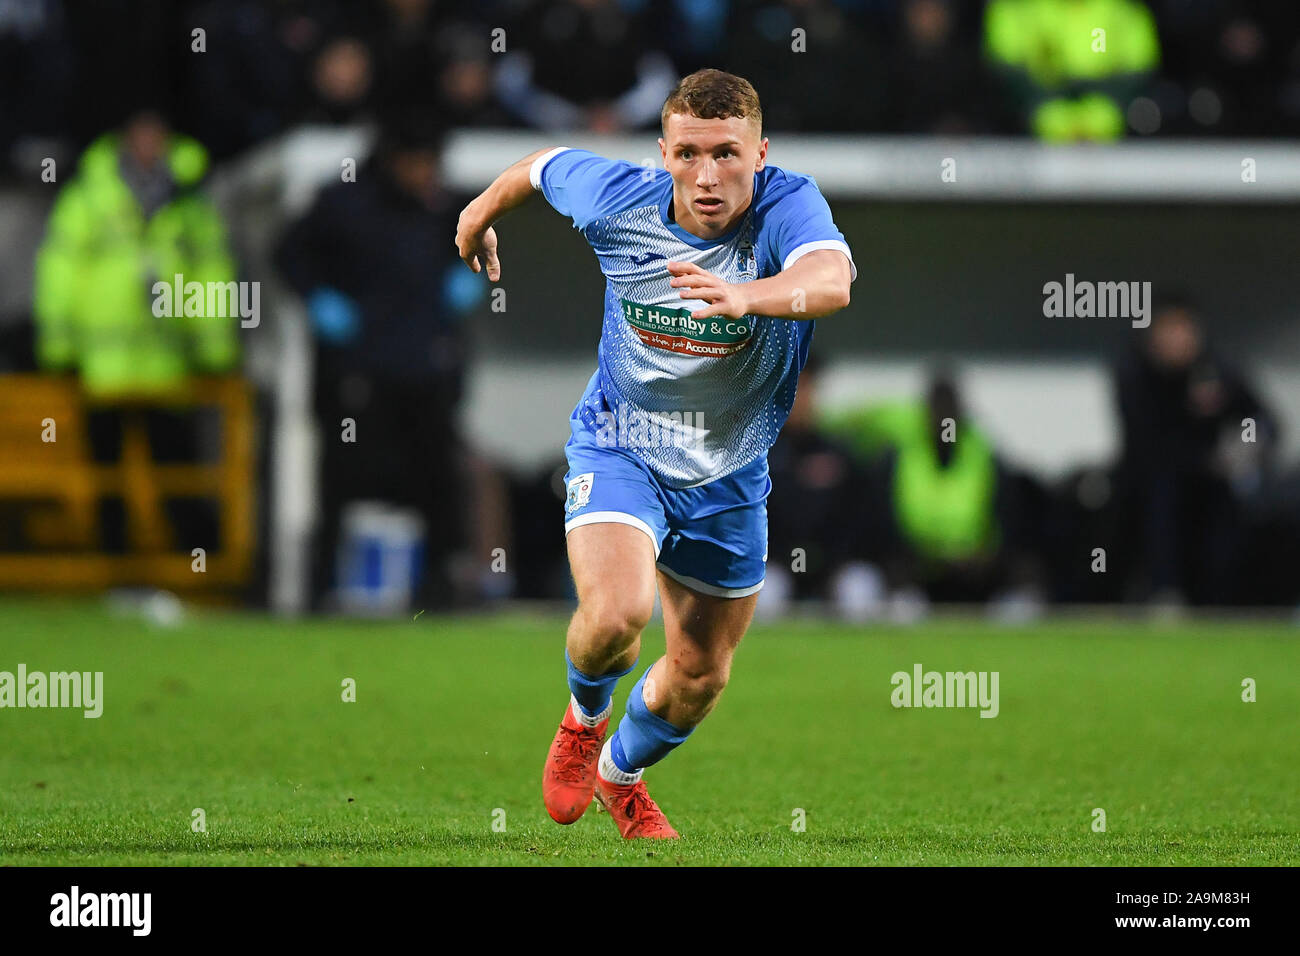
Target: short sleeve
x=799 y=222
x=584 y=186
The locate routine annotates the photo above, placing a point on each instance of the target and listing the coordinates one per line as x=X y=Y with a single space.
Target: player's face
x=712 y=162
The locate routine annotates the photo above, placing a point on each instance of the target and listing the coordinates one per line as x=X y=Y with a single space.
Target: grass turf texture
x=242 y=716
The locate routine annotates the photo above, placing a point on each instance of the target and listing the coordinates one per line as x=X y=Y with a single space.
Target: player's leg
x=613 y=567
x=711 y=571
x=672 y=697
x=703 y=633
x=614 y=523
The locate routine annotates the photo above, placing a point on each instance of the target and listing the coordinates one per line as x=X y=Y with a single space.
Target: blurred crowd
x=879 y=509
x=233 y=73
x=884 y=508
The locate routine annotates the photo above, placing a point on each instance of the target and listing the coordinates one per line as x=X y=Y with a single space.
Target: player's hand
x=477 y=246
x=726 y=299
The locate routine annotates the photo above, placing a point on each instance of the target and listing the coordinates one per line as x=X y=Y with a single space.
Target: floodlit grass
x=242 y=716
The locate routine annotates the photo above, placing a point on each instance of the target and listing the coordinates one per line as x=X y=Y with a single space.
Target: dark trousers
x=176 y=436
x=1193 y=534
x=406 y=452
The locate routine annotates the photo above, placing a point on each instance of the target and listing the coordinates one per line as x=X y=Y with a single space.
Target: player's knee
x=613 y=625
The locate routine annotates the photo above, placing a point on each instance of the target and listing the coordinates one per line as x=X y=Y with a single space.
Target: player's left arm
x=815 y=285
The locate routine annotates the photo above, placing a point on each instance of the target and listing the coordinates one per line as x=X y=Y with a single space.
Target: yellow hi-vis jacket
x=944 y=513
x=97 y=268
x=1069 y=52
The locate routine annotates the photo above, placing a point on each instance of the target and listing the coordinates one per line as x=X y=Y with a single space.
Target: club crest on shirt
x=746 y=263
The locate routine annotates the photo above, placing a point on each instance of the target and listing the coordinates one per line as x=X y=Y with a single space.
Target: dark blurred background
x=338 y=417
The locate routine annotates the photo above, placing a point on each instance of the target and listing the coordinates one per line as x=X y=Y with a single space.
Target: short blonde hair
x=713 y=94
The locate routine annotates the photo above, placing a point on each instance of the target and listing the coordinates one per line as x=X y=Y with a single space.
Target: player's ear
x=762 y=155
x=663 y=151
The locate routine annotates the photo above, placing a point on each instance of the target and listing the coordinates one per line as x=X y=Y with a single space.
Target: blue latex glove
x=335 y=317
x=462 y=290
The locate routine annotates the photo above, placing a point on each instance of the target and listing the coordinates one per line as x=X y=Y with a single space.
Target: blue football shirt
x=725 y=385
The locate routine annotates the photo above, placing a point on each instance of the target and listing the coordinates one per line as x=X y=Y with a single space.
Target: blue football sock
x=593 y=694
x=642 y=738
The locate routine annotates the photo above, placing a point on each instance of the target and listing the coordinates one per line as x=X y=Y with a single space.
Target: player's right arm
x=476 y=240
x=576 y=182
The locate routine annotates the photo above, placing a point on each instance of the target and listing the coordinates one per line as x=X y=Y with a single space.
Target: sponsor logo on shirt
x=675 y=331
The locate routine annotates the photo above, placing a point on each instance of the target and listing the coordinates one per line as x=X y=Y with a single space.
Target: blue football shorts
x=711 y=538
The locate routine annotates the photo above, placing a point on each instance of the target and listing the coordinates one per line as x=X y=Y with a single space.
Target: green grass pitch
x=242 y=716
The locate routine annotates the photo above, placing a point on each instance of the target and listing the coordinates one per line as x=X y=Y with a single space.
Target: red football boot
x=569 y=777
x=637 y=816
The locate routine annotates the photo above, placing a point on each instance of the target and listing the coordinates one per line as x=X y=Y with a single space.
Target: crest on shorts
x=579 y=492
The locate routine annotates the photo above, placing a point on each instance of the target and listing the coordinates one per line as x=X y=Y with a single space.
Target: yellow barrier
x=61 y=484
